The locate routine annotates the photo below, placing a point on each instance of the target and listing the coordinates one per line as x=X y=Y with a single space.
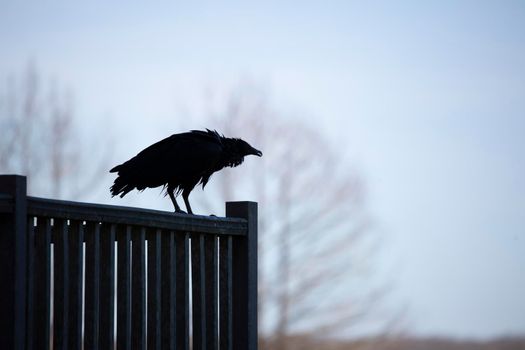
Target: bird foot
x=213 y=215
x=180 y=211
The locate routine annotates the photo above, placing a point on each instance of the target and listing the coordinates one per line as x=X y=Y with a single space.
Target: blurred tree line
x=41 y=138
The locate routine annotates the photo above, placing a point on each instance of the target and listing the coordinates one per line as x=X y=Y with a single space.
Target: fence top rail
x=43 y=207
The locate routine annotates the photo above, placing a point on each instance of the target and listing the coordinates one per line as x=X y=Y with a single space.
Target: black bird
x=180 y=162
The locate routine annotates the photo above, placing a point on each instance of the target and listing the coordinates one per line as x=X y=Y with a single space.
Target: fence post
x=244 y=277
x=13 y=264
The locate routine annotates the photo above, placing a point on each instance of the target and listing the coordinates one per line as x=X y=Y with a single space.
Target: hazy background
x=424 y=103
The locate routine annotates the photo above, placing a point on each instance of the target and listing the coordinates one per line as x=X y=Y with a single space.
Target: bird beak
x=256 y=152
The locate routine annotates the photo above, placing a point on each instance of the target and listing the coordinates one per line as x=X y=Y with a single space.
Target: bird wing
x=179 y=158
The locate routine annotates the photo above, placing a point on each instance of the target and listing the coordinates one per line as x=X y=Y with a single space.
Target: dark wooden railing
x=88 y=276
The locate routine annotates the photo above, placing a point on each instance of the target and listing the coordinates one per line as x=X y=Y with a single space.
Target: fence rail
x=81 y=275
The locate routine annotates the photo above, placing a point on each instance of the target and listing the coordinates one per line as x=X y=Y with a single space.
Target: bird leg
x=174 y=201
x=185 y=196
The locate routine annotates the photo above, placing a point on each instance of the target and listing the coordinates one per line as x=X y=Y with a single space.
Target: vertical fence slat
x=124 y=288
x=107 y=286
x=30 y=280
x=76 y=258
x=61 y=285
x=42 y=279
x=244 y=296
x=168 y=285
x=154 y=289
x=198 y=292
x=225 y=292
x=92 y=306
x=13 y=258
x=138 y=289
x=211 y=261
x=183 y=290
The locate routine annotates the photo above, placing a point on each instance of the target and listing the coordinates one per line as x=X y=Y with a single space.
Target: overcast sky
x=428 y=98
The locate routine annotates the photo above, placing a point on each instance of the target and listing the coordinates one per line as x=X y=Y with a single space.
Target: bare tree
x=314 y=233
x=41 y=138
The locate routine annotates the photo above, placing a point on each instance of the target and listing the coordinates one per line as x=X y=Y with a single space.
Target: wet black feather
x=180 y=162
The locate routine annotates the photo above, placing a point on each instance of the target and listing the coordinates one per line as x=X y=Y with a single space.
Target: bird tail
x=120 y=186
x=116 y=168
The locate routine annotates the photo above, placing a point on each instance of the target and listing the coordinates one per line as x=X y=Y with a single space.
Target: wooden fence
x=87 y=276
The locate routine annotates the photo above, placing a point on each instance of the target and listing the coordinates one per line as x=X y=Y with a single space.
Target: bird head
x=245 y=149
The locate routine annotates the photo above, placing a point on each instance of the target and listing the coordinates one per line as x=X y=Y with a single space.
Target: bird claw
x=180 y=212
x=213 y=215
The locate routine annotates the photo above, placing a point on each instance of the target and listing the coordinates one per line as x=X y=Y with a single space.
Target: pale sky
x=427 y=97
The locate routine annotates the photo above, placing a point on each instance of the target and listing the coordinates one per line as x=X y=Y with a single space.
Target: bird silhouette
x=179 y=163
